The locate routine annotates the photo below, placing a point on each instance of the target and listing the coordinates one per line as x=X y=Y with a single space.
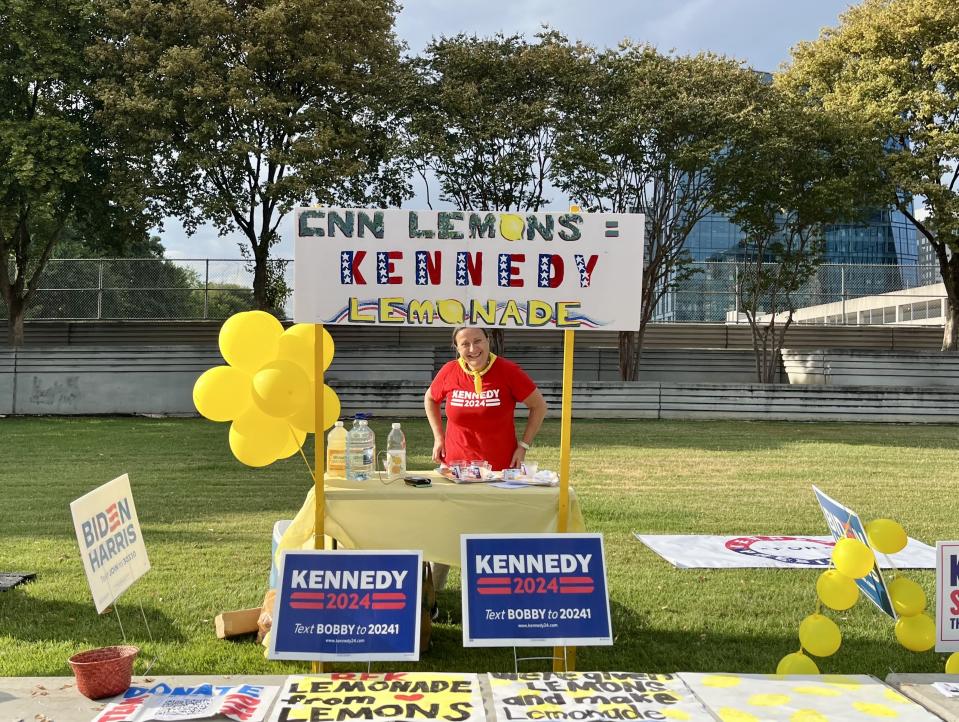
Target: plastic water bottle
x=360 y=451
x=336 y=450
x=396 y=453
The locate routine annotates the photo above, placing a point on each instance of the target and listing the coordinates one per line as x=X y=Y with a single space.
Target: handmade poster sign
x=947 y=596
x=789 y=698
x=503 y=270
x=534 y=589
x=111 y=544
x=347 y=605
x=393 y=696
x=698 y=551
x=167 y=702
x=844 y=522
x=593 y=697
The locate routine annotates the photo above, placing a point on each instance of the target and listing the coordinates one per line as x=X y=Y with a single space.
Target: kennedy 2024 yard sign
x=500 y=270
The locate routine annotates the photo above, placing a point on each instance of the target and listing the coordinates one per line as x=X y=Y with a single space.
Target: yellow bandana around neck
x=477 y=375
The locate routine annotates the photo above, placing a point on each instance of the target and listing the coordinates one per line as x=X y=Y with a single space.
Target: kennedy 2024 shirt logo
x=351 y=605
x=534 y=588
x=471 y=399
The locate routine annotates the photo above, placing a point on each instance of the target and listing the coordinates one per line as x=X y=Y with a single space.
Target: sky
x=759 y=32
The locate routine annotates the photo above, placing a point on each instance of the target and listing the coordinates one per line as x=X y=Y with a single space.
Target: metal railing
x=187 y=289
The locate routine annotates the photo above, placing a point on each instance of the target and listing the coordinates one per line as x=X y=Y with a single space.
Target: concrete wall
x=863 y=367
x=159 y=379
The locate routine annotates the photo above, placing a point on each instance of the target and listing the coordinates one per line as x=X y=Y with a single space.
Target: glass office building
x=878 y=255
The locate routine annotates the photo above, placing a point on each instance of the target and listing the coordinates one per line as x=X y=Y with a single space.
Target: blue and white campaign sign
x=844 y=522
x=347 y=605
x=111 y=543
x=534 y=589
x=947 y=596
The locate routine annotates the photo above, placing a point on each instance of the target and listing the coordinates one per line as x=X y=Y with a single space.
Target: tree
x=244 y=110
x=484 y=121
x=893 y=67
x=648 y=136
x=60 y=173
x=793 y=171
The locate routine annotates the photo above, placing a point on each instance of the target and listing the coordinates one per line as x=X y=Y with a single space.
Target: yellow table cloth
x=376 y=514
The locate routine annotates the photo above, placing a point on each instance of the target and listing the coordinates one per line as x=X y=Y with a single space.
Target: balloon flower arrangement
x=267 y=388
x=836 y=589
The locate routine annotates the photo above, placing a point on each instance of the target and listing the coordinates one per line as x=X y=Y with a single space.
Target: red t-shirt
x=481 y=426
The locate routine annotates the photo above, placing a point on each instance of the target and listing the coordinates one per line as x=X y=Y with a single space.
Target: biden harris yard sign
x=111 y=544
x=534 y=589
x=347 y=605
x=500 y=270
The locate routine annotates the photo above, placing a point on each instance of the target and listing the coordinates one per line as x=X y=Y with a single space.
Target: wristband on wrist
x=524 y=444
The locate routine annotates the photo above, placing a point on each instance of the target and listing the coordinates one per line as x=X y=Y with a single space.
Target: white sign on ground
x=502 y=270
x=702 y=551
x=947 y=596
x=537 y=696
x=111 y=544
x=788 y=698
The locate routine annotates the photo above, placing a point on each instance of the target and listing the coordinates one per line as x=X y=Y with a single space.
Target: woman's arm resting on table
x=436 y=424
x=537 y=412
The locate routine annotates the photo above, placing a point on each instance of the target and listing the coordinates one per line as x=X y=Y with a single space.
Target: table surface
x=57 y=698
x=393 y=515
x=918 y=687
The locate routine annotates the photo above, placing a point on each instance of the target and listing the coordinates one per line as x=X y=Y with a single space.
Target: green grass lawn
x=207 y=523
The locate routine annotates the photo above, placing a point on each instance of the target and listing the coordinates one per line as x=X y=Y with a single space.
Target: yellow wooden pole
x=564 y=659
x=319 y=453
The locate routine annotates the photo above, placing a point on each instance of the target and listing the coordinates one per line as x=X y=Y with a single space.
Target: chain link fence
x=155 y=289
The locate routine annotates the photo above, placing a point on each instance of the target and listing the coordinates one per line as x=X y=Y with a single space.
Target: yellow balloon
x=796 y=663
x=908 y=599
x=280 y=388
x=266 y=433
x=952 y=663
x=511 y=226
x=853 y=558
x=305 y=332
x=819 y=635
x=836 y=590
x=295 y=440
x=222 y=393
x=917 y=634
x=305 y=418
x=886 y=536
x=249 y=340
x=247 y=451
x=451 y=311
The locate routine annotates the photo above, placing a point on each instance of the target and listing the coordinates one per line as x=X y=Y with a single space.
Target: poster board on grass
x=844 y=522
x=381 y=697
x=348 y=605
x=111 y=543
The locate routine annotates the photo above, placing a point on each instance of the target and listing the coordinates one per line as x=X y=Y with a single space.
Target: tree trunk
x=261 y=298
x=949 y=270
x=950 y=332
x=15 y=322
x=630 y=345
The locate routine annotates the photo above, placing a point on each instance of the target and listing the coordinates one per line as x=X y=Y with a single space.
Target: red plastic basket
x=104 y=672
